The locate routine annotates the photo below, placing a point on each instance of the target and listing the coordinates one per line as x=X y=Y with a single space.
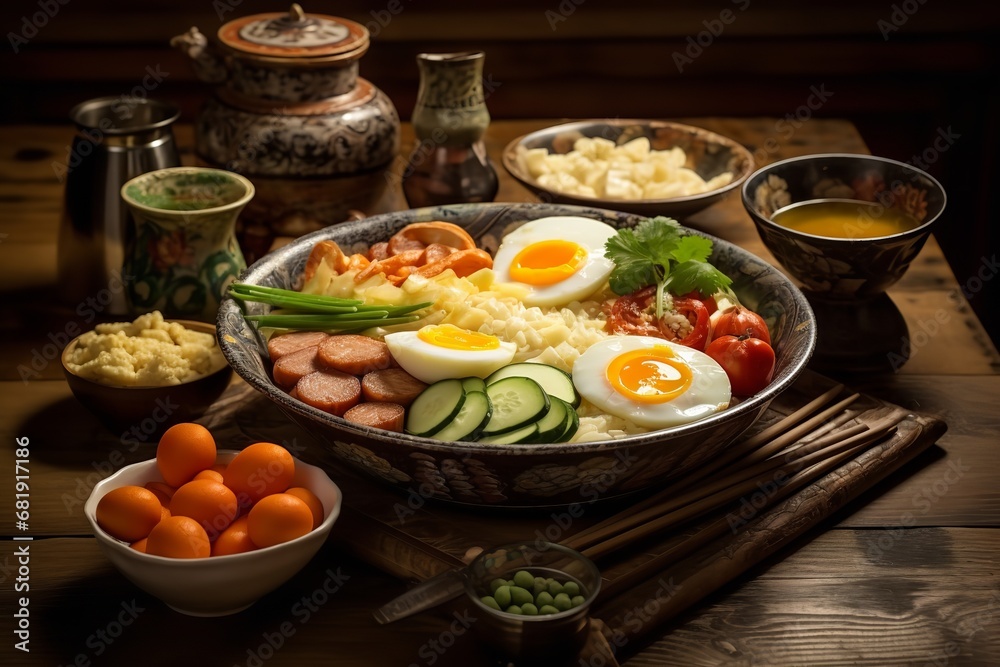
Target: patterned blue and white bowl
x=521 y=475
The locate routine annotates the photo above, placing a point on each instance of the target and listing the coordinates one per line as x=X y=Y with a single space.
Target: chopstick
x=633 y=518
x=717 y=528
x=629 y=527
x=780 y=428
x=765 y=444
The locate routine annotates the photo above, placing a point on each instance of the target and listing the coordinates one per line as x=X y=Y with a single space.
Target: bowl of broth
x=845 y=226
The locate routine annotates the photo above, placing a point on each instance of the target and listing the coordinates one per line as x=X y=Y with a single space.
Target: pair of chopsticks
x=783 y=458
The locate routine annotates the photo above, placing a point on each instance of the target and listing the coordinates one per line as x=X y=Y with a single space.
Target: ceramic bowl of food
x=217 y=585
x=479 y=473
x=845 y=226
x=144 y=405
x=532 y=598
x=647 y=167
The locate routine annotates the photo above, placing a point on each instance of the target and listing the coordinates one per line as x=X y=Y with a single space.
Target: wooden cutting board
x=415 y=538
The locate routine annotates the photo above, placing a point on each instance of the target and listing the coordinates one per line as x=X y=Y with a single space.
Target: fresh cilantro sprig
x=655 y=252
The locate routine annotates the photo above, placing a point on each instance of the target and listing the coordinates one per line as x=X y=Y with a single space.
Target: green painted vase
x=185 y=253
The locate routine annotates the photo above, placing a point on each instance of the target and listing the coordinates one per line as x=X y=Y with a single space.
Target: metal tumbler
x=117 y=139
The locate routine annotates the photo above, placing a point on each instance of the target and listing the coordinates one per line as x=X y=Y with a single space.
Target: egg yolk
x=453 y=338
x=653 y=375
x=547 y=262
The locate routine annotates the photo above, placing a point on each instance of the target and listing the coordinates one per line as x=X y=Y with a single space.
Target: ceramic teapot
x=290 y=103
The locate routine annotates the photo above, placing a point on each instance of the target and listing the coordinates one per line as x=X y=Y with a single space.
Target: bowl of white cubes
x=647 y=167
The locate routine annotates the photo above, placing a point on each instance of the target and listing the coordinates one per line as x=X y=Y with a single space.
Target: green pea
x=543 y=599
x=529 y=609
x=562 y=602
x=541 y=584
x=495 y=584
x=513 y=609
x=555 y=588
x=524 y=579
x=510 y=582
x=490 y=602
x=519 y=596
x=547 y=609
x=577 y=600
x=571 y=588
x=502 y=595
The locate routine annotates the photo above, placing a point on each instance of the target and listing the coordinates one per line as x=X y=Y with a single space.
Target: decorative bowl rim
x=864 y=157
x=510 y=162
x=248 y=191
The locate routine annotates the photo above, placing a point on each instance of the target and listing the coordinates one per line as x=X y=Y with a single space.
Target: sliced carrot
x=390 y=265
x=462 y=262
x=357 y=261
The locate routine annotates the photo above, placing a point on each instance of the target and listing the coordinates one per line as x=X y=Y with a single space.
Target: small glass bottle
x=449 y=164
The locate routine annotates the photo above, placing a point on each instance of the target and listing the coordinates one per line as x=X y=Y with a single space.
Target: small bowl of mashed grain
x=148 y=374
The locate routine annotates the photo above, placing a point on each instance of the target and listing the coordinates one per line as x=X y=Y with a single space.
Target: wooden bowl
x=148 y=410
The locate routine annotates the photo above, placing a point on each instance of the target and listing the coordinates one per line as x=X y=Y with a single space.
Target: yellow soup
x=844 y=219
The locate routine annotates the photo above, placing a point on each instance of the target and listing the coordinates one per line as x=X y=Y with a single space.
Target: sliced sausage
x=435 y=252
x=293 y=367
x=330 y=391
x=285 y=344
x=388 y=416
x=392 y=385
x=378 y=251
x=401 y=243
x=354 y=354
x=446 y=233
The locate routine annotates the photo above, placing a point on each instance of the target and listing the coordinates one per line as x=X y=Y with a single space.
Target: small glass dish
x=541 y=637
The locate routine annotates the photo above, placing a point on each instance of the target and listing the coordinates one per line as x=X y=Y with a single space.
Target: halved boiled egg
x=650 y=381
x=559 y=259
x=441 y=351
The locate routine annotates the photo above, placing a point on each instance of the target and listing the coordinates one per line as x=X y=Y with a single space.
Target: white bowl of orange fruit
x=211 y=531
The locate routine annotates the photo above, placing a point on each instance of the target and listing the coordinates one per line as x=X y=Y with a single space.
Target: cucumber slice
x=555 y=382
x=435 y=407
x=470 y=420
x=572 y=426
x=552 y=425
x=523 y=434
x=517 y=402
x=473 y=384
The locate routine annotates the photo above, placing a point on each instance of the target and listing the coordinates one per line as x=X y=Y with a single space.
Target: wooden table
x=907 y=575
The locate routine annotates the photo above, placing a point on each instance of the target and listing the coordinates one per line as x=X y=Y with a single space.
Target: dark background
x=902 y=71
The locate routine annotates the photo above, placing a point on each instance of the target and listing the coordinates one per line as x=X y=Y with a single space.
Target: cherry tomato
x=710 y=302
x=748 y=361
x=740 y=321
x=635 y=315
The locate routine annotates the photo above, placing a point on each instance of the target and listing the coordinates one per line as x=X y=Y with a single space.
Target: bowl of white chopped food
x=648 y=167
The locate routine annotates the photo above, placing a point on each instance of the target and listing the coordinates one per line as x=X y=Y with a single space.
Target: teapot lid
x=294 y=34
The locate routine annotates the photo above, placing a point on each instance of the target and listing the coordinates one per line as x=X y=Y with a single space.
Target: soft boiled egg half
x=442 y=351
x=558 y=259
x=650 y=381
